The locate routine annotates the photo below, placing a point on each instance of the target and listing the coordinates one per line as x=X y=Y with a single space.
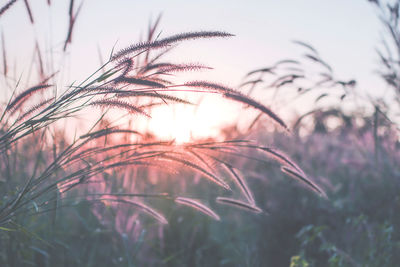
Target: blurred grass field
x=356 y=226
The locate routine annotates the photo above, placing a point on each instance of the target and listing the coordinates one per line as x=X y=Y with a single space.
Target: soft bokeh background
x=345 y=33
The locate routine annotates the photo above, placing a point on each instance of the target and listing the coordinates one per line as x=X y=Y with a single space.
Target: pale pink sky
x=345 y=33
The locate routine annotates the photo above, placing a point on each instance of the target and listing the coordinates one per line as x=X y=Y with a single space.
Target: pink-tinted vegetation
x=116 y=195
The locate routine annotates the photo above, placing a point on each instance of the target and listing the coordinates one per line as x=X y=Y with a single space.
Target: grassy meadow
x=319 y=189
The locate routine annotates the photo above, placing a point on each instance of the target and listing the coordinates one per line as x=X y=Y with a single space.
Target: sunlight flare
x=185 y=123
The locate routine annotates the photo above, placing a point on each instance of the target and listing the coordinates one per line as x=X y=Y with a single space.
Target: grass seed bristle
x=239 y=204
x=247 y=100
x=119 y=104
x=241 y=182
x=168 y=41
x=155 y=214
x=22 y=97
x=196 y=167
x=35 y=108
x=198 y=206
x=303 y=179
x=137 y=81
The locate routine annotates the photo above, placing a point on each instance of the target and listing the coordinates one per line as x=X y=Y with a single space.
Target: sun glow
x=186 y=123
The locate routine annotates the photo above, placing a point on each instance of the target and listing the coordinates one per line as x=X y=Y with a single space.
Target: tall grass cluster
x=323 y=192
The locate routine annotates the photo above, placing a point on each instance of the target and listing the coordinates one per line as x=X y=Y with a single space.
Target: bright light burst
x=186 y=123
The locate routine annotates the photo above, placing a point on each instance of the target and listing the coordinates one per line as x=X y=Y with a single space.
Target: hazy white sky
x=345 y=32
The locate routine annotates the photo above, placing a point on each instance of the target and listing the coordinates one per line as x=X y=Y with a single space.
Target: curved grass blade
x=119 y=104
x=209 y=175
x=240 y=181
x=304 y=179
x=198 y=206
x=277 y=155
x=168 y=41
x=143 y=207
x=247 y=100
x=7 y=6
x=22 y=97
x=136 y=81
x=107 y=131
x=239 y=204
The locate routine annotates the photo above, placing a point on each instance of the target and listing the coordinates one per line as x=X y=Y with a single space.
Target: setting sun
x=185 y=123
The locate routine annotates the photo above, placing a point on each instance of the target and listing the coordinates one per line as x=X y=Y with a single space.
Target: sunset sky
x=345 y=33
